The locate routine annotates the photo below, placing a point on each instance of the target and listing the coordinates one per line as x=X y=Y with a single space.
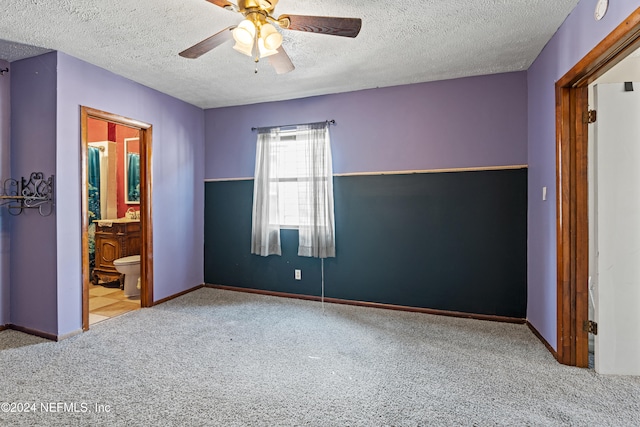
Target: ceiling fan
x=257 y=36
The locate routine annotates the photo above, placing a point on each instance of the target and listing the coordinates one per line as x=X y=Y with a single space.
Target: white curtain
x=265 y=232
x=294 y=181
x=315 y=194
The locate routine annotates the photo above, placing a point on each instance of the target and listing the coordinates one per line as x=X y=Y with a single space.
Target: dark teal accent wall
x=450 y=241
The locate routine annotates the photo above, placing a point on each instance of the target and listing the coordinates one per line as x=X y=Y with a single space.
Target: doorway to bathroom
x=117 y=233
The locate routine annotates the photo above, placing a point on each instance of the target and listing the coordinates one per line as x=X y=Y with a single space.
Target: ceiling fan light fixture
x=271 y=37
x=244 y=32
x=246 y=49
x=258 y=35
x=264 y=52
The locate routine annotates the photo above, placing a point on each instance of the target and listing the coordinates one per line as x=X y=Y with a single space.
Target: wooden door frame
x=572 y=187
x=146 y=223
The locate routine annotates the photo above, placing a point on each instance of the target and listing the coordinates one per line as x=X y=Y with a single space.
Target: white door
x=617 y=229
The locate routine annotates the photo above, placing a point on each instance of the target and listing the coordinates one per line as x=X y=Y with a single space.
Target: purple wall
x=576 y=37
x=5 y=171
x=178 y=175
x=46 y=94
x=33 y=237
x=469 y=122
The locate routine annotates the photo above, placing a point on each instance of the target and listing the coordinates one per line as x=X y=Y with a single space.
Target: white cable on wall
x=322 y=269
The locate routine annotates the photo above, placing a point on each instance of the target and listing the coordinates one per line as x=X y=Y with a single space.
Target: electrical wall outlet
x=298 y=274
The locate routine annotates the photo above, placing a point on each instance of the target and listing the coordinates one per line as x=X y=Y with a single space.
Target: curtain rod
x=331 y=122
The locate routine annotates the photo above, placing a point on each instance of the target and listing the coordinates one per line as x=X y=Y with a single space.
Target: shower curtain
x=94 y=200
x=133 y=177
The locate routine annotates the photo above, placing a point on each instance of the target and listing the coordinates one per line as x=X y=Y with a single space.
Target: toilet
x=130 y=267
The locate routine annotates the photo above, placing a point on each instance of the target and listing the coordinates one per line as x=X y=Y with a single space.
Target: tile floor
x=105 y=303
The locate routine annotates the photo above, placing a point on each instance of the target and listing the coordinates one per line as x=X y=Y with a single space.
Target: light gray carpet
x=224 y=358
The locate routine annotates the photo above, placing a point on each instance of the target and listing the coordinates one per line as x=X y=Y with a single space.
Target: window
x=293 y=189
x=285 y=186
x=290 y=184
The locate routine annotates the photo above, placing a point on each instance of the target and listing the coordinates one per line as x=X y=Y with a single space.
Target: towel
x=105 y=223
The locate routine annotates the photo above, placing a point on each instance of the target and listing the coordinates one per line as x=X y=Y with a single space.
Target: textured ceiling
x=400 y=43
x=12 y=51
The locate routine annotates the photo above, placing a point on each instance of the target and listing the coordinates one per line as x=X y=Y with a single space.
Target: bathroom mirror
x=132 y=170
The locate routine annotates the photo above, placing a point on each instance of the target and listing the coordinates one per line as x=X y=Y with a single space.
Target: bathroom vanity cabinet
x=114 y=239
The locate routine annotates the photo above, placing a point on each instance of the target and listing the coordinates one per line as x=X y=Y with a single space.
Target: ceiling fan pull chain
x=256 y=49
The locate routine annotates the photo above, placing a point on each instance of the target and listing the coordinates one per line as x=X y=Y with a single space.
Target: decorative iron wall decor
x=34 y=193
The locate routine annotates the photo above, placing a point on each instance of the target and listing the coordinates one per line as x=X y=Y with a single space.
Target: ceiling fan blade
x=208 y=44
x=281 y=61
x=345 y=27
x=225 y=5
